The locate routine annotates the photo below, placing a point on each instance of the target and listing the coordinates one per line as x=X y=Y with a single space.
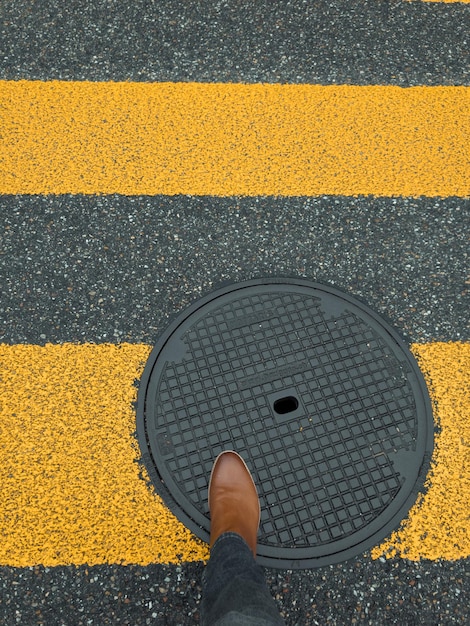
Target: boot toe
x=233 y=499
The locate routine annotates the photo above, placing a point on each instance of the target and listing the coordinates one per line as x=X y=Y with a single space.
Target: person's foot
x=233 y=500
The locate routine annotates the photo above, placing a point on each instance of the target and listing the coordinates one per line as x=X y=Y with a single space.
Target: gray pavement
x=76 y=268
x=326 y=41
x=114 y=268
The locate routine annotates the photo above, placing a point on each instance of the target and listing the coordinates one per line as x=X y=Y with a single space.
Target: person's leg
x=234 y=587
x=234 y=591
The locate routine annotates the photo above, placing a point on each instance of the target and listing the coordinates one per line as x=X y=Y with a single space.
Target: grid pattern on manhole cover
x=337 y=464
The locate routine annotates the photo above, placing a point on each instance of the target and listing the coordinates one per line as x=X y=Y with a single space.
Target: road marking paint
x=69 y=477
x=438 y=526
x=444 y=1
x=73 y=492
x=233 y=139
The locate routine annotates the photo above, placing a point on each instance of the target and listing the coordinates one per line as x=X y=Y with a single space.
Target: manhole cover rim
x=274 y=555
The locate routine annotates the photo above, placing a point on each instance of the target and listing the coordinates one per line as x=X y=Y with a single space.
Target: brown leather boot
x=233 y=499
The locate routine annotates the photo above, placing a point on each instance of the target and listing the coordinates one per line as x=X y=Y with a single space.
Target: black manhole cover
x=321 y=398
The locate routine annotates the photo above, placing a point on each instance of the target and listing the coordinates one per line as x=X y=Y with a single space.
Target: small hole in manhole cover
x=286 y=405
x=319 y=395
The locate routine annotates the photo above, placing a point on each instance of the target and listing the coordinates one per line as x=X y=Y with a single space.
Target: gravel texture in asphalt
x=113 y=268
x=357 y=592
x=326 y=41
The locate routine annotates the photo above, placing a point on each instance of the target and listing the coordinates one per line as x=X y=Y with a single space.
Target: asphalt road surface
x=99 y=267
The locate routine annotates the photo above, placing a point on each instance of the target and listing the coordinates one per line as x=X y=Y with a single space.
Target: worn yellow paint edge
x=438 y=525
x=233 y=139
x=73 y=490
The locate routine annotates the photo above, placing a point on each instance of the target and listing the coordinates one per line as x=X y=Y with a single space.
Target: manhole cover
x=321 y=398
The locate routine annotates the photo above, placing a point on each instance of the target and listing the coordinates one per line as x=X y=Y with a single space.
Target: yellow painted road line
x=69 y=477
x=233 y=139
x=438 y=526
x=72 y=491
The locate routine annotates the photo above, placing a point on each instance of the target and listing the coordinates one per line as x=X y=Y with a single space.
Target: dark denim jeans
x=234 y=591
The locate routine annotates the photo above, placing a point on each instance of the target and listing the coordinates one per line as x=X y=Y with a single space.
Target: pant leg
x=234 y=591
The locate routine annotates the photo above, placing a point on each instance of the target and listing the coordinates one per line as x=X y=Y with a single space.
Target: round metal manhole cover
x=315 y=391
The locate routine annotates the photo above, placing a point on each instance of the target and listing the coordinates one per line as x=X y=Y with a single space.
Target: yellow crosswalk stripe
x=70 y=483
x=233 y=139
x=444 y=1
x=439 y=524
x=73 y=492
